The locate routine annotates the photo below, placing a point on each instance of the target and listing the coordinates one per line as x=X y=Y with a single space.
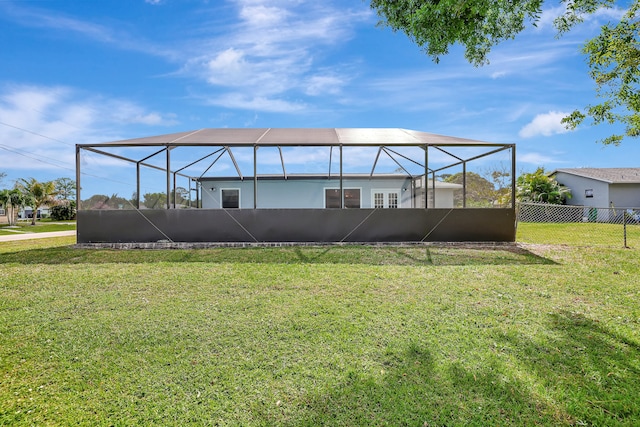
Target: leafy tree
x=480 y=192
x=118 y=202
x=37 y=194
x=96 y=201
x=102 y=201
x=155 y=200
x=614 y=59
x=539 y=187
x=12 y=200
x=65 y=188
x=501 y=178
x=613 y=55
x=181 y=196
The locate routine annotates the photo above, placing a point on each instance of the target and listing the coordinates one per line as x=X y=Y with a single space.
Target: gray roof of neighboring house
x=609 y=175
x=298 y=136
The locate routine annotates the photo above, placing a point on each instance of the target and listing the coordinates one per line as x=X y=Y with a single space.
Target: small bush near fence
x=578 y=225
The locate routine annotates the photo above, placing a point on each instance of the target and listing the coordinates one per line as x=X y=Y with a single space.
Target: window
x=351 y=198
x=378 y=200
x=393 y=201
x=588 y=193
x=331 y=198
x=230 y=198
x=383 y=199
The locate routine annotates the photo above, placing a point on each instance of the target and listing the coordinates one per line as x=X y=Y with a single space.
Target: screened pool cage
x=295 y=185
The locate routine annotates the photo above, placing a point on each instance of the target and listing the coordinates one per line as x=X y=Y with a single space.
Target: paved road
x=29 y=236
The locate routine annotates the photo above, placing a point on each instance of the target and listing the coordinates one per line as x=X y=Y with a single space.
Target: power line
x=36 y=133
x=32 y=157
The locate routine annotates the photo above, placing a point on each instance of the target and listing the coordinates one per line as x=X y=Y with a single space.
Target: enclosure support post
x=341 y=189
x=513 y=176
x=425 y=187
x=255 y=176
x=175 y=193
x=198 y=189
x=168 y=178
x=78 y=178
x=433 y=189
x=464 y=184
x=137 y=185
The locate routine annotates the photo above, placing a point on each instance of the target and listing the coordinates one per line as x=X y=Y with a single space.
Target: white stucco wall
x=310 y=193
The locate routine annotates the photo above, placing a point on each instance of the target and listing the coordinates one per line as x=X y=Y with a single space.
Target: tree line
x=492 y=188
x=58 y=195
x=151 y=200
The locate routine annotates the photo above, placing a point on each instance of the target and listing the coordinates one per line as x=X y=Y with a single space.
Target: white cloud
x=45 y=18
x=39 y=126
x=272 y=53
x=270 y=50
x=126 y=112
x=263 y=16
x=603 y=14
x=256 y=103
x=545 y=124
x=324 y=85
x=540 y=159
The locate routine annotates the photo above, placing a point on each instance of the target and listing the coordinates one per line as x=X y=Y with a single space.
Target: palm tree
x=11 y=199
x=38 y=194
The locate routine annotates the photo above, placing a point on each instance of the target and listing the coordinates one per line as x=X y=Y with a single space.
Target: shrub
x=63 y=212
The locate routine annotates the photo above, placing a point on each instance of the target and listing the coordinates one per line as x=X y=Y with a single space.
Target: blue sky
x=94 y=71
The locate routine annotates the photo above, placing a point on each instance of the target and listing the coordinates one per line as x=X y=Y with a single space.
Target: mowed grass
x=40 y=227
x=579 y=234
x=336 y=336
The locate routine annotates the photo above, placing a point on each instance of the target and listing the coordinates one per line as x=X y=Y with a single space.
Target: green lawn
x=336 y=336
x=579 y=234
x=40 y=227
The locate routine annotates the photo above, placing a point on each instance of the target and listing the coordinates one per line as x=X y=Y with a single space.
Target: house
x=26 y=212
x=306 y=191
x=262 y=185
x=601 y=187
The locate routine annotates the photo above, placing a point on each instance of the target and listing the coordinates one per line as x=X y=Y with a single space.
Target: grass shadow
x=414 y=388
x=337 y=254
x=583 y=361
x=582 y=373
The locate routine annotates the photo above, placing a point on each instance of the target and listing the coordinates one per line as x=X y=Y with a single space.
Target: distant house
x=601 y=187
x=26 y=212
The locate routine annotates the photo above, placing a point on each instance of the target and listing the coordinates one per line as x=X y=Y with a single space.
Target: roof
x=609 y=175
x=297 y=137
